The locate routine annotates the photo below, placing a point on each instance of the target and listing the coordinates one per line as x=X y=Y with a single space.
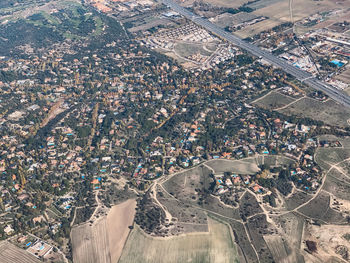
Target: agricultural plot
x=278 y=13
x=9 y=253
x=277 y=248
x=215 y=246
x=243 y=242
x=90 y=243
x=103 y=240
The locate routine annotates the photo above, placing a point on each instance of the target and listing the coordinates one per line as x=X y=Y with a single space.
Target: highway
x=301 y=75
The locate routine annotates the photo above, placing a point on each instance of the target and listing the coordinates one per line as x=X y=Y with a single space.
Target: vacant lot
x=296 y=199
x=328 y=112
x=246 y=166
x=103 y=241
x=345 y=77
x=214 y=246
x=273 y=100
x=185 y=50
x=329 y=239
x=9 y=253
x=275 y=160
x=225 y=3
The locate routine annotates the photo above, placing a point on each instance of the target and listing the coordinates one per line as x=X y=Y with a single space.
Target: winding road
x=299 y=74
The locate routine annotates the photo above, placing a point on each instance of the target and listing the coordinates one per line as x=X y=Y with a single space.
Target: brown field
x=252 y=30
x=9 y=253
x=279 y=13
x=103 y=241
x=214 y=246
x=118 y=219
x=345 y=77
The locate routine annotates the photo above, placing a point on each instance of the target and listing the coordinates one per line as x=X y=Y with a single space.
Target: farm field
x=214 y=246
x=90 y=243
x=103 y=240
x=278 y=12
x=9 y=253
x=118 y=219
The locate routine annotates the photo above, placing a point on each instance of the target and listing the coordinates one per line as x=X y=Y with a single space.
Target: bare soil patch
x=103 y=240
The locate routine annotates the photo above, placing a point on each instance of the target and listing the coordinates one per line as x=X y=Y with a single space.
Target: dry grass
x=278 y=249
x=244 y=166
x=214 y=246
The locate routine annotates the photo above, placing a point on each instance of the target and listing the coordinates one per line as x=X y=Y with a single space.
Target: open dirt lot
x=345 y=77
x=9 y=253
x=330 y=242
x=215 y=246
x=103 y=240
x=247 y=166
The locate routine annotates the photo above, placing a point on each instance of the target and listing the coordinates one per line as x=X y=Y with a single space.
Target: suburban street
x=301 y=75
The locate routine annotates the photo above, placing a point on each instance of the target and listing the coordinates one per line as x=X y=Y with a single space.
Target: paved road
x=301 y=75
